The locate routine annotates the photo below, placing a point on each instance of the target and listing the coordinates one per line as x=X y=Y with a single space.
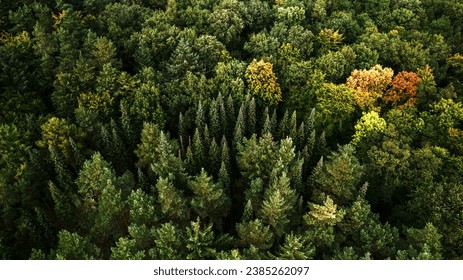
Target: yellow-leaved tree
x=262 y=82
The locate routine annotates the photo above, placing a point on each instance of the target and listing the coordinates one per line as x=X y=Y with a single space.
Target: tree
x=227 y=20
x=56 y=133
x=340 y=176
x=209 y=198
x=370 y=85
x=320 y=222
x=72 y=246
x=183 y=60
x=278 y=205
x=335 y=108
x=263 y=82
x=403 y=89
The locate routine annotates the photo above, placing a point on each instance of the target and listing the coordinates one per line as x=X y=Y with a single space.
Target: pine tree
x=209 y=200
x=321 y=148
x=206 y=141
x=142 y=208
x=224 y=121
x=172 y=201
x=183 y=60
x=278 y=205
x=143 y=57
x=182 y=134
x=266 y=128
x=241 y=120
x=296 y=247
x=200 y=241
x=301 y=137
x=321 y=221
x=169 y=243
x=256 y=234
x=72 y=246
x=167 y=164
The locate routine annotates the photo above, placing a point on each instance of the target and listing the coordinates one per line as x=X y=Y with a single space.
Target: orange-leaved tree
x=403 y=90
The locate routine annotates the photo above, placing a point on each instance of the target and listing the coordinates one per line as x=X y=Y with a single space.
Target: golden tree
x=370 y=85
x=262 y=81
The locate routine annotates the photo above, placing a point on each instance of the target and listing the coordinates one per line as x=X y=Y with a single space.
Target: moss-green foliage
x=231 y=129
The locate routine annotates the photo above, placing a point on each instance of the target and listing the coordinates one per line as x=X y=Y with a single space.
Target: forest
x=228 y=130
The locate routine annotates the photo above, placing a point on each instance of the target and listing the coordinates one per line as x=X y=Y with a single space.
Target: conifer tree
x=172 y=201
x=265 y=122
x=278 y=205
x=209 y=200
x=296 y=247
x=224 y=121
x=283 y=128
x=214 y=158
x=231 y=117
x=274 y=123
x=225 y=154
x=251 y=116
x=198 y=150
x=200 y=241
x=224 y=178
x=214 y=120
x=321 y=221
x=200 y=119
x=169 y=243
x=72 y=246
x=292 y=128
x=256 y=234
x=183 y=60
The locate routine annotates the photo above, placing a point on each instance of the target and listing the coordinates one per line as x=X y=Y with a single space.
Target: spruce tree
x=231 y=117
x=266 y=127
x=293 y=127
x=198 y=150
x=200 y=120
x=283 y=128
x=214 y=120
x=214 y=158
x=251 y=116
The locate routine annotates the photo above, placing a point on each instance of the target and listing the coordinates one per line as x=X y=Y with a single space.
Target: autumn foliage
x=262 y=81
x=369 y=85
x=403 y=90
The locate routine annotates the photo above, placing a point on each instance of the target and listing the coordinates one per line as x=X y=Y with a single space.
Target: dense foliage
x=254 y=129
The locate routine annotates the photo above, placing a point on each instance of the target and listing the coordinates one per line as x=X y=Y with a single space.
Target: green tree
x=209 y=198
